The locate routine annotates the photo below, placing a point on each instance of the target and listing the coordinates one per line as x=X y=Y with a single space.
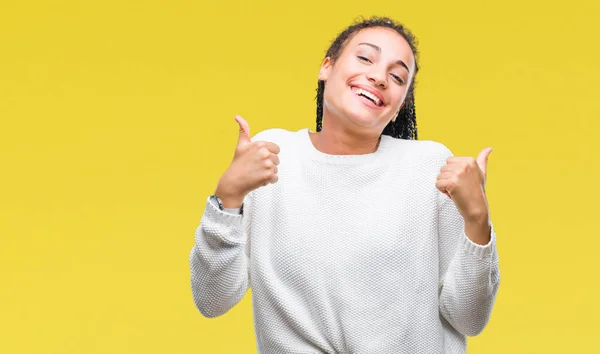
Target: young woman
x=356 y=238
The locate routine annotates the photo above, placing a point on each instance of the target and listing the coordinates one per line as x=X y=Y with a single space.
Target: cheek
x=398 y=97
x=334 y=89
x=331 y=96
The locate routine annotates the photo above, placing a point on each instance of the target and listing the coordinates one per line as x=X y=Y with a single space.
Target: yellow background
x=117 y=121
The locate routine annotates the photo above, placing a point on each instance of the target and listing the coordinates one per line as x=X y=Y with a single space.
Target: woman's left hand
x=463 y=180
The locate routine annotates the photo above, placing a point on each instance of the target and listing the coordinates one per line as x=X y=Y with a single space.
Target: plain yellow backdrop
x=117 y=121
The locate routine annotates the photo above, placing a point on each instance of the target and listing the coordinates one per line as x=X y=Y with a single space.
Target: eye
x=363 y=58
x=398 y=78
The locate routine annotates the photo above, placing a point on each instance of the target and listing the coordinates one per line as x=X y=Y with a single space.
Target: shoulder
x=434 y=148
x=274 y=135
x=423 y=153
x=289 y=142
x=424 y=148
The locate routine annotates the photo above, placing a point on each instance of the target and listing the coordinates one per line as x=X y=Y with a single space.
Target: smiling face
x=367 y=84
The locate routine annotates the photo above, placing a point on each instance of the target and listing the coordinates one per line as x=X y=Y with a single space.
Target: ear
x=325 y=69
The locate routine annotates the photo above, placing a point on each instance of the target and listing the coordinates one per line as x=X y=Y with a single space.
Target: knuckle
x=264 y=153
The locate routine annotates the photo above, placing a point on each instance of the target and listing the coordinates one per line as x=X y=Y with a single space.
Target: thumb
x=244 y=137
x=482 y=159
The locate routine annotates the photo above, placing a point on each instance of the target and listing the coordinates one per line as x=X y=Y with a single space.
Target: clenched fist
x=254 y=165
x=463 y=180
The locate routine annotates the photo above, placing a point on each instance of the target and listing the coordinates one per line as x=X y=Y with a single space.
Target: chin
x=363 y=119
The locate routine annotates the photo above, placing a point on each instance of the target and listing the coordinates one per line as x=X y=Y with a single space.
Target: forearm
x=218 y=262
x=470 y=284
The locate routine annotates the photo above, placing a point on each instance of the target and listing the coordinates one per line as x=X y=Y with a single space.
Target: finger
x=446 y=175
x=449 y=168
x=482 y=159
x=446 y=193
x=244 y=137
x=275 y=159
x=442 y=185
x=271 y=147
x=274 y=148
x=457 y=159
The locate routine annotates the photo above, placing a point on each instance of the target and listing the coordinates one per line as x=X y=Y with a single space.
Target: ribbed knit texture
x=348 y=254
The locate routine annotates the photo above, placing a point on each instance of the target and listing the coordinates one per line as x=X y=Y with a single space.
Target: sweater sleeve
x=219 y=261
x=228 y=210
x=470 y=275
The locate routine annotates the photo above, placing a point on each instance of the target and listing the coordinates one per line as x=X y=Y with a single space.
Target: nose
x=377 y=76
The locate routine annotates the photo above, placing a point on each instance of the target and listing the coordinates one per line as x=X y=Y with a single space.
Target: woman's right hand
x=254 y=165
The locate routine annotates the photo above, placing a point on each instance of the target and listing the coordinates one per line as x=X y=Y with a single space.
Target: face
x=366 y=86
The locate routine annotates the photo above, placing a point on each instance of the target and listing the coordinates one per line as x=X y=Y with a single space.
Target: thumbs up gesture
x=463 y=180
x=254 y=165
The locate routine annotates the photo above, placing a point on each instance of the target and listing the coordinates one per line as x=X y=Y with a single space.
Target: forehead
x=392 y=44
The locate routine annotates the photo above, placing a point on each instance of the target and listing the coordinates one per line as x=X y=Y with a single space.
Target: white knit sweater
x=348 y=254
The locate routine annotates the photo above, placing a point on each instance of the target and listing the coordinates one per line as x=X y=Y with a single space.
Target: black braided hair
x=405 y=125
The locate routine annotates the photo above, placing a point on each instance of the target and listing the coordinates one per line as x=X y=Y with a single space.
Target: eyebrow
x=399 y=62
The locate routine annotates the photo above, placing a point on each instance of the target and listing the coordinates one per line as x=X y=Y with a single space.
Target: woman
x=356 y=238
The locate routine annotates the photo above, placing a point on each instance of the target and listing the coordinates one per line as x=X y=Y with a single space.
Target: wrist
x=477 y=219
x=229 y=199
x=479 y=230
x=231 y=203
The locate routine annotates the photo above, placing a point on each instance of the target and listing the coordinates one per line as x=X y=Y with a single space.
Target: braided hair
x=405 y=125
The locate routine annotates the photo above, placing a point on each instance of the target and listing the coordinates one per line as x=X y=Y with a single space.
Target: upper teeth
x=360 y=91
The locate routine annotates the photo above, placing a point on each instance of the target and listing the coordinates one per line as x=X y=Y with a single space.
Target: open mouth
x=367 y=95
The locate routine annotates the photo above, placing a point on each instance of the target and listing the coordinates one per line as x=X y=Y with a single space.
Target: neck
x=334 y=140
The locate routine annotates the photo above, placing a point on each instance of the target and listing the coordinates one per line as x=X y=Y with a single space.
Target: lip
x=370 y=89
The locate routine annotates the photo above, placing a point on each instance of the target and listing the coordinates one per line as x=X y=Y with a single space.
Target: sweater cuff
x=479 y=251
x=233 y=210
x=213 y=211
